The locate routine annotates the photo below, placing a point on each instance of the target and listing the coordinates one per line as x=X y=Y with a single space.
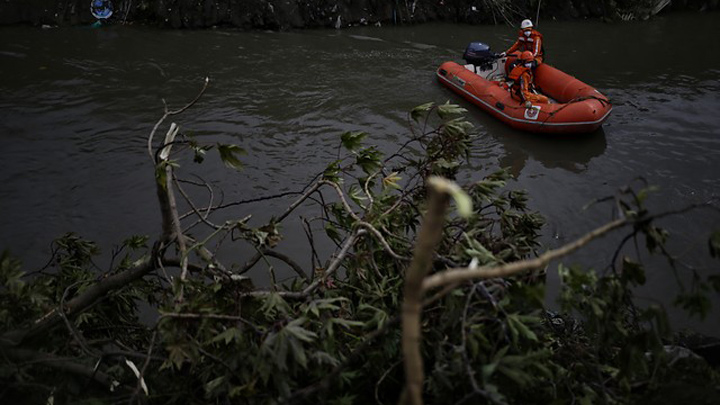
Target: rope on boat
x=603 y=101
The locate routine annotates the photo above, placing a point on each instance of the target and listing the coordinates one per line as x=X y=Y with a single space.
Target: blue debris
x=101 y=9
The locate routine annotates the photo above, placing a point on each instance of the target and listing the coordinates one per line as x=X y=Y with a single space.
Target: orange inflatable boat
x=574 y=106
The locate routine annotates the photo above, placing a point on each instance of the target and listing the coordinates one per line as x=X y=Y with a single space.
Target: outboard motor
x=479 y=55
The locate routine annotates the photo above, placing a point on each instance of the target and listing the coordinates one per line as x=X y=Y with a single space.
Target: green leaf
x=298 y=352
x=380 y=317
x=357 y=195
x=228 y=155
x=463 y=202
x=346 y=323
x=328 y=304
x=520 y=377
x=199 y=151
x=273 y=304
x=457 y=127
x=345 y=399
x=519 y=328
x=211 y=386
x=231 y=334
x=352 y=140
x=642 y=195
x=161 y=173
x=176 y=356
x=477 y=251
x=368 y=159
x=488 y=370
x=332 y=172
x=714 y=281
x=695 y=303
x=447 y=109
x=332 y=232
x=444 y=164
x=633 y=271
x=421 y=110
x=655 y=237
x=714 y=244
x=321 y=357
x=136 y=241
x=11 y=273
x=390 y=181
x=295 y=329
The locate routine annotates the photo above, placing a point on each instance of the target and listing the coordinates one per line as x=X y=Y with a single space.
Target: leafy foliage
x=333 y=338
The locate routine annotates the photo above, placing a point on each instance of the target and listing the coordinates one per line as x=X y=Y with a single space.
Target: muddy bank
x=290 y=14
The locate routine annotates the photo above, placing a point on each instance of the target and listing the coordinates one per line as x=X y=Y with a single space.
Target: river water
x=77 y=104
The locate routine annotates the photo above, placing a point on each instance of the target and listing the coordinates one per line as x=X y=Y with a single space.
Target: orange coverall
x=523 y=85
x=533 y=43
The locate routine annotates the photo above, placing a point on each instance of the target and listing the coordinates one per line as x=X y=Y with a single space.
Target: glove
x=502 y=54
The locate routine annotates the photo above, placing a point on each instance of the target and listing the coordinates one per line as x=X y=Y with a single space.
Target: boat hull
x=578 y=107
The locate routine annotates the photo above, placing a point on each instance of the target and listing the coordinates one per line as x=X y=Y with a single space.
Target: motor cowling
x=478 y=54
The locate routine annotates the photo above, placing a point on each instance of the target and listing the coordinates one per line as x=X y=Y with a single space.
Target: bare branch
x=299 y=201
x=144 y=368
x=85 y=300
x=61 y=311
x=59 y=363
x=169 y=113
x=428 y=238
x=300 y=272
x=332 y=268
x=342 y=198
x=250 y=263
x=202 y=217
x=367 y=187
x=453 y=276
x=206 y=185
x=314 y=256
x=382 y=240
x=220 y=317
x=78 y=304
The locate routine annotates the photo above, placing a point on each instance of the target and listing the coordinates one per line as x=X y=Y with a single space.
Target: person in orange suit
x=522 y=80
x=530 y=40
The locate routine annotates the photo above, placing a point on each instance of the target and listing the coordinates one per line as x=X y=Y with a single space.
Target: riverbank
x=295 y=14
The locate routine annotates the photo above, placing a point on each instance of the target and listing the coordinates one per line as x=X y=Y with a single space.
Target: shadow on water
x=572 y=153
x=569 y=152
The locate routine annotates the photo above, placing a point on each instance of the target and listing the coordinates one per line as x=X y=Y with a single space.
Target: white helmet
x=525 y=24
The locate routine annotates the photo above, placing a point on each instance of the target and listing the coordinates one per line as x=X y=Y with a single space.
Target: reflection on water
x=570 y=153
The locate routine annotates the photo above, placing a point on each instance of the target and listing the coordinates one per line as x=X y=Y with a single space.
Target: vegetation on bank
x=284 y=14
x=414 y=305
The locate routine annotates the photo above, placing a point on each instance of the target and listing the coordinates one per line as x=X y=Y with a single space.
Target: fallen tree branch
x=332 y=268
x=289 y=262
x=141 y=381
x=428 y=238
x=458 y=275
x=382 y=240
x=59 y=363
x=354 y=356
x=168 y=113
x=342 y=199
x=188 y=200
x=324 y=384
x=80 y=303
x=85 y=300
x=299 y=201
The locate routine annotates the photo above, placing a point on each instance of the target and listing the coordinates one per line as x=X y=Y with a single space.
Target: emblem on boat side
x=532 y=112
x=459 y=81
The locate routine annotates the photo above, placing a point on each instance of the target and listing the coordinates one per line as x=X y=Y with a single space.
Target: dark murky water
x=76 y=106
